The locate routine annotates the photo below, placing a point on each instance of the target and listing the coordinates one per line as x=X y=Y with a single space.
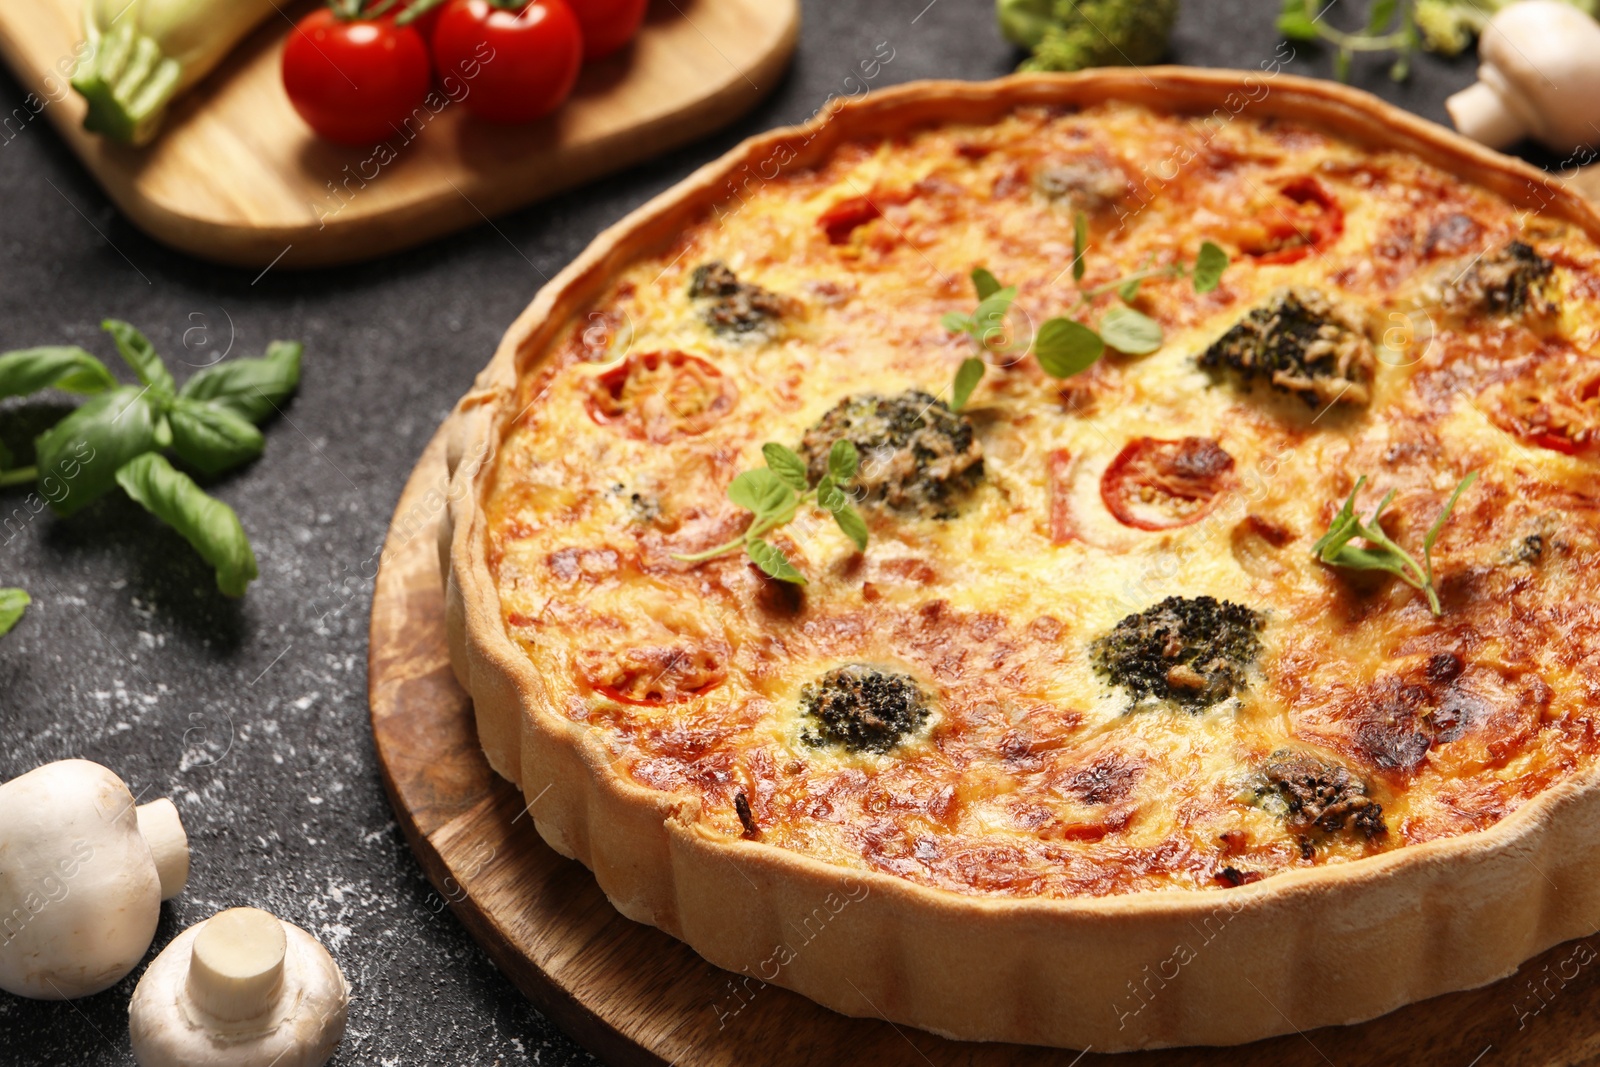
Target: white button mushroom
x=241 y=989
x=83 y=872
x=1540 y=77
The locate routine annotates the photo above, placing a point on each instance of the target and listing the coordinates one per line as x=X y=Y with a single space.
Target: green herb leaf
x=786 y=465
x=1295 y=21
x=853 y=525
x=253 y=388
x=140 y=354
x=1380 y=14
x=763 y=492
x=1130 y=331
x=830 y=496
x=1381 y=553
x=843 y=461
x=985 y=283
x=1064 y=347
x=956 y=322
x=1080 y=244
x=205 y=522
x=968 y=375
x=1130 y=288
x=13 y=602
x=770 y=558
x=211 y=436
x=1208 y=267
x=1341 y=64
x=66 y=367
x=78 y=457
x=989 y=319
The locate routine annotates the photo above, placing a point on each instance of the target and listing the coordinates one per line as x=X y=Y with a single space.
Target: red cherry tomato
x=354 y=81
x=518 y=65
x=1161 y=485
x=608 y=24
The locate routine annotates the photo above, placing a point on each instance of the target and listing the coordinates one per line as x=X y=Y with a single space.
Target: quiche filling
x=1088 y=649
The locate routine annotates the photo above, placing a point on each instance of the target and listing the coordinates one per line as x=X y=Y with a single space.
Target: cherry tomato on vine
x=519 y=61
x=607 y=24
x=354 y=80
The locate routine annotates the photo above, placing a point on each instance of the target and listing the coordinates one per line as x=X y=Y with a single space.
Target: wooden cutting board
x=237 y=177
x=635 y=996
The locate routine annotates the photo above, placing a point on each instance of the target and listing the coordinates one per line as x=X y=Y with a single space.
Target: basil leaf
x=1080 y=244
x=985 y=283
x=1129 y=331
x=968 y=375
x=956 y=322
x=60 y=366
x=1064 y=347
x=853 y=525
x=78 y=457
x=762 y=492
x=205 y=522
x=13 y=602
x=140 y=354
x=770 y=558
x=253 y=388
x=211 y=436
x=843 y=461
x=1208 y=267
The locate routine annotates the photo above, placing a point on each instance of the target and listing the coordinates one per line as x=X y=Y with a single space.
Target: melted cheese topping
x=1033 y=775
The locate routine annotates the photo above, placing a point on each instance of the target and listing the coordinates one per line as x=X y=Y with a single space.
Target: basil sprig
x=117 y=436
x=774 y=494
x=13 y=602
x=1065 y=346
x=1380 y=553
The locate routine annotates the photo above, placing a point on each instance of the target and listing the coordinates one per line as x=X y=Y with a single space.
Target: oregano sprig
x=1381 y=553
x=1064 y=346
x=117 y=436
x=774 y=495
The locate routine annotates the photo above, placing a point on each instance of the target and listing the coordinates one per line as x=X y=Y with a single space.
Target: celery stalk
x=142 y=53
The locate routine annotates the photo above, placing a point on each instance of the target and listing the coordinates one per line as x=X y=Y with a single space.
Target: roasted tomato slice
x=1160 y=485
x=652 y=675
x=657 y=396
x=1303 y=216
x=841 y=220
x=1555 y=406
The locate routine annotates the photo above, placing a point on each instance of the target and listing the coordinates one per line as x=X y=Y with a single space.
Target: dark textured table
x=252 y=715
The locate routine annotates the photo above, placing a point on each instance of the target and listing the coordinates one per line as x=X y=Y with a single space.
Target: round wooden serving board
x=236 y=176
x=633 y=995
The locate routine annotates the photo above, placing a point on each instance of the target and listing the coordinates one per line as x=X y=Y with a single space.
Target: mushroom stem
x=169 y=845
x=1483 y=114
x=236 y=964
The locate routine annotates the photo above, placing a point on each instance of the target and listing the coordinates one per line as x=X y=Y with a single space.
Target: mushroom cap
x=301 y=1027
x=79 y=894
x=1543 y=54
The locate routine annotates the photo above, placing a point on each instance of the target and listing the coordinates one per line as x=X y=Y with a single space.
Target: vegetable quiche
x=947 y=529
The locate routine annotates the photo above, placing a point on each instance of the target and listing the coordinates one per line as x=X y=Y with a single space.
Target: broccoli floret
x=862 y=708
x=736 y=308
x=1509 y=281
x=1320 y=794
x=1193 y=651
x=916 y=454
x=1075 y=34
x=1450 y=26
x=1302 y=343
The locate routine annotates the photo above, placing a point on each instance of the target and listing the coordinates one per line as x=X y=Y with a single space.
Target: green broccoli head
x=1068 y=35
